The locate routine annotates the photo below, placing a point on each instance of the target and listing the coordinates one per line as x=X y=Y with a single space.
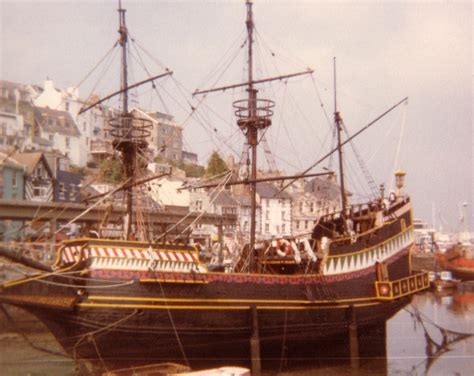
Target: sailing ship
x=130 y=302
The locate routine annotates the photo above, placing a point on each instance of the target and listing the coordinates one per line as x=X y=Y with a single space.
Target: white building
x=11 y=130
x=165 y=192
x=91 y=124
x=16 y=115
x=61 y=131
x=275 y=209
x=166 y=135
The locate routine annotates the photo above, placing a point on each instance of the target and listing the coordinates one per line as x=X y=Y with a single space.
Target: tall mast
x=123 y=43
x=252 y=132
x=338 y=124
x=252 y=114
x=128 y=150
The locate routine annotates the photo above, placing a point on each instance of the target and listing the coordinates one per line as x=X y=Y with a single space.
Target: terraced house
x=12 y=183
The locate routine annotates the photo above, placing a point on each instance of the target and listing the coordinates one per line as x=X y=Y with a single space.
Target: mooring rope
x=90 y=335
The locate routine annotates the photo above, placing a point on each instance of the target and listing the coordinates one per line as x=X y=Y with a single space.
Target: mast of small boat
x=338 y=125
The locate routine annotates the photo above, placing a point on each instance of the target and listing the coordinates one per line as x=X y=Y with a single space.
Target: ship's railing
x=389 y=290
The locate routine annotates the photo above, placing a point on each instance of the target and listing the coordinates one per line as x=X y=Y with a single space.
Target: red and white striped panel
x=70 y=254
x=142 y=254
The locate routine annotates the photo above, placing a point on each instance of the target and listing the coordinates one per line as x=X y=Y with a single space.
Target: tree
x=111 y=171
x=215 y=165
x=193 y=170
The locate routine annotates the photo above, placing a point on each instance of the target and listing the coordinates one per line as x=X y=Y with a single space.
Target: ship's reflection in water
x=413 y=343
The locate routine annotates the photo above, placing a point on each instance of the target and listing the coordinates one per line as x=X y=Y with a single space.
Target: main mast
x=252 y=116
x=252 y=132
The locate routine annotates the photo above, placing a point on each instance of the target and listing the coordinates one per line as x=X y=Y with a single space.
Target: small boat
x=443 y=280
x=458 y=260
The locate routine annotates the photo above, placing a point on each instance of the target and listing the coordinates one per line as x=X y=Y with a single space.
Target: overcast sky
x=386 y=50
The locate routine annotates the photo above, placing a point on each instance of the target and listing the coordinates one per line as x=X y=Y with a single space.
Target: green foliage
x=78 y=170
x=193 y=170
x=111 y=171
x=215 y=165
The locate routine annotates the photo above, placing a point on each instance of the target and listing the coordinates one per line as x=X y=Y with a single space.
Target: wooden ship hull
x=129 y=303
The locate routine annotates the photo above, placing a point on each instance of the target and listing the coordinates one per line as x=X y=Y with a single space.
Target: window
x=283 y=215
x=305 y=225
x=67 y=106
x=14 y=179
x=311 y=207
x=72 y=192
x=68 y=142
x=62 y=191
x=39 y=171
x=297 y=225
x=267 y=213
x=267 y=227
x=301 y=207
x=39 y=191
x=198 y=205
x=283 y=228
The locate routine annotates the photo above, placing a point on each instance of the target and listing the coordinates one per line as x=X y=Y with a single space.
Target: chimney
x=17 y=101
x=48 y=85
x=230 y=161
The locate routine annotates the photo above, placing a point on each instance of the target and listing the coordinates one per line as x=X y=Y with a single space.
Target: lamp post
x=400 y=181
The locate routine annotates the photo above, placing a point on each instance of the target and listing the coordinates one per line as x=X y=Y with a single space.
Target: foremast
x=129 y=133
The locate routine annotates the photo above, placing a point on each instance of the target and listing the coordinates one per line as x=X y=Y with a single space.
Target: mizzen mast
x=338 y=125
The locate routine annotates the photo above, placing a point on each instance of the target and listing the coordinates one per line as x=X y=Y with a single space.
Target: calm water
x=407 y=349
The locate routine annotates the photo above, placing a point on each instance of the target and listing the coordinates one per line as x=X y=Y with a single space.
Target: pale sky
x=385 y=50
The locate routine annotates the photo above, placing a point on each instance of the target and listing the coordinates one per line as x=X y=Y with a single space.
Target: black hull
x=148 y=335
x=207 y=323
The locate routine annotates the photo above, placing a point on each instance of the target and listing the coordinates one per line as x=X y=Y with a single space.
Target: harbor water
x=431 y=336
